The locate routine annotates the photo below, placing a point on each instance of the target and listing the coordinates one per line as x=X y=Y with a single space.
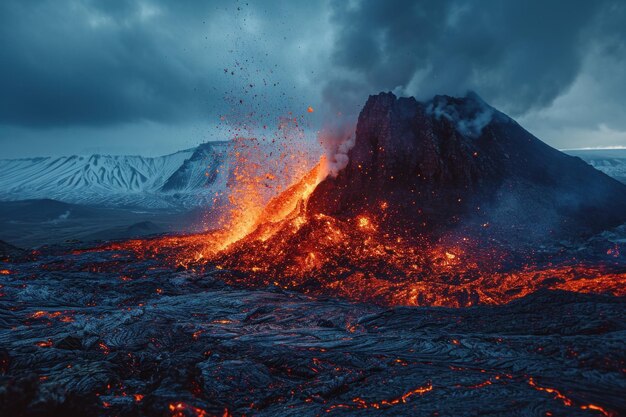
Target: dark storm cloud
x=125 y=76
x=518 y=55
x=104 y=62
x=89 y=63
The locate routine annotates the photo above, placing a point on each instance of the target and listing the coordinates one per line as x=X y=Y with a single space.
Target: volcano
x=459 y=164
x=325 y=300
x=443 y=203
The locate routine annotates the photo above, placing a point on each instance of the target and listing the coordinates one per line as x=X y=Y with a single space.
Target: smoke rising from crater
x=336 y=139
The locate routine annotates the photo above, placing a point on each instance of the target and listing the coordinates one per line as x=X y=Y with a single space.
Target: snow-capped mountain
x=183 y=179
x=610 y=161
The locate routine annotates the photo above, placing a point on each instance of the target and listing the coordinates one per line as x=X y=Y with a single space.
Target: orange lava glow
x=44 y=344
x=279 y=242
x=262 y=168
x=184 y=410
x=360 y=403
x=65 y=317
x=568 y=401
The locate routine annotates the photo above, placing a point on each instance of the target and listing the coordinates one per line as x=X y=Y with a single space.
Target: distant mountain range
x=185 y=179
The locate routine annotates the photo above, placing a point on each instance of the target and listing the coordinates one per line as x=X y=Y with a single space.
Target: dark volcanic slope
x=109 y=335
x=458 y=162
x=8 y=250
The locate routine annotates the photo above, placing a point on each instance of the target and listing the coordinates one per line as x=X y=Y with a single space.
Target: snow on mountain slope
x=200 y=170
x=610 y=161
x=178 y=179
x=111 y=173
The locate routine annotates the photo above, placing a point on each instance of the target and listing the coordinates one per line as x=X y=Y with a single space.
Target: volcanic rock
x=196 y=350
x=459 y=164
x=8 y=251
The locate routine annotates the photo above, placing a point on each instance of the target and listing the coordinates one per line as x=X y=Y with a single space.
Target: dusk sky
x=153 y=76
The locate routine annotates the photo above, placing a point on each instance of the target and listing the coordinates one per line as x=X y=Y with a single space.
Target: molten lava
x=282 y=244
x=407 y=211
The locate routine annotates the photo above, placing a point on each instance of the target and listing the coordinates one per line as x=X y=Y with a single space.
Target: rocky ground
x=92 y=334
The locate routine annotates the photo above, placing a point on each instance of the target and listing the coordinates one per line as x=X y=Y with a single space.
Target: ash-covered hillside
x=457 y=163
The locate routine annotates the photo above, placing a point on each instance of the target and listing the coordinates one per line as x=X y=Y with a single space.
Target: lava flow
x=201 y=324
x=418 y=212
x=353 y=257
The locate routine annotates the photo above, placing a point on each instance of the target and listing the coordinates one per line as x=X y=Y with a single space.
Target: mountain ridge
x=114 y=180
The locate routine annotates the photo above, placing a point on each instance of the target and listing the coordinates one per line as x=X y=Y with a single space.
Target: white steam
x=337 y=140
x=469 y=120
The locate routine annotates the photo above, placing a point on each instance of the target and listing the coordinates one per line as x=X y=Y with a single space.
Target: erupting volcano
x=447 y=202
x=304 y=209
x=294 y=304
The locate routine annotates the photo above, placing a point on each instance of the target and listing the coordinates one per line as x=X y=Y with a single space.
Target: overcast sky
x=154 y=76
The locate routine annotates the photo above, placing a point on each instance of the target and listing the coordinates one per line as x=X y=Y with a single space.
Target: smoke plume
x=336 y=139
